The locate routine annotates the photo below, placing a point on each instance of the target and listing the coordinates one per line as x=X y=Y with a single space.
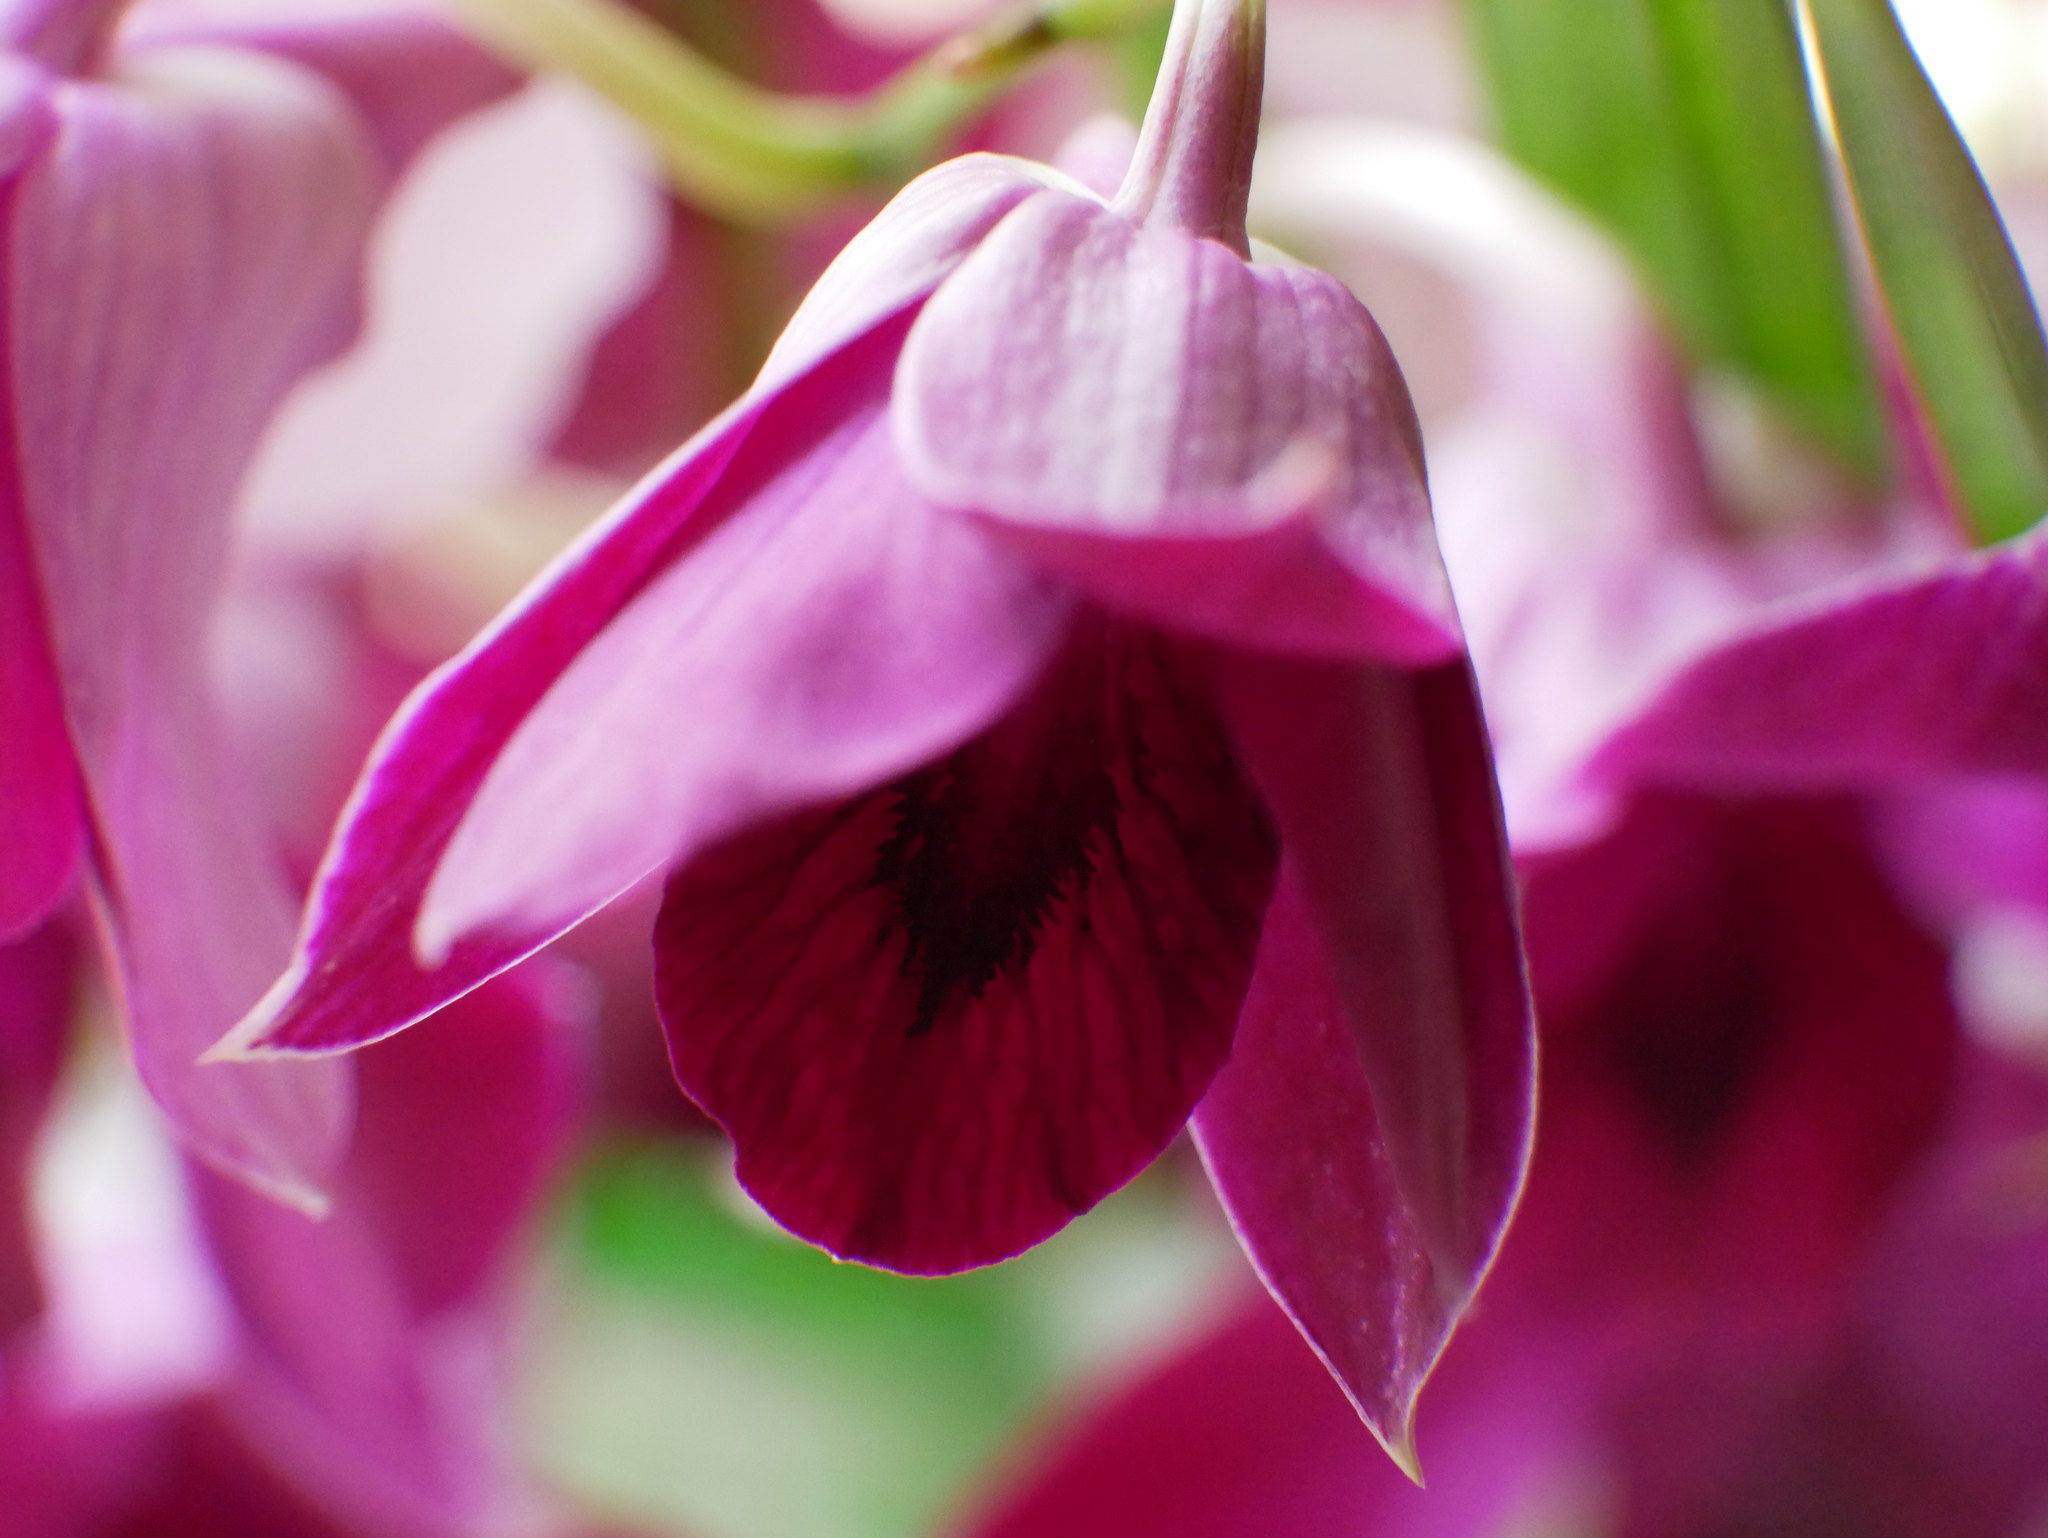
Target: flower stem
x=1193 y=166
x=759 y=157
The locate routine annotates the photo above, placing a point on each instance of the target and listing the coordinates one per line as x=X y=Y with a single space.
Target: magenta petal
x=835 y=634
x=1369 y=1134
x=42 y=824
x=346 y=1379
x=913 y=244
x=354 y=978
x=1889 y=681
x=176 y=260
x=1244 y=1436
x=1092 y=386
x=943 y=1018
x=35 y=1017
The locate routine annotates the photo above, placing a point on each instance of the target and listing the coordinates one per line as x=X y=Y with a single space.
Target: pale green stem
x=758 y=157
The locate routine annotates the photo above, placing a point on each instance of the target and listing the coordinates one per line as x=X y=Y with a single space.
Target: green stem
x=755 y=156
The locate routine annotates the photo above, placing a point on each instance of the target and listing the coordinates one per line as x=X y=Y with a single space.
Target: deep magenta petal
x=942 y=1019
x=42 y=825
x=1370 y=1132
x=35 y=1015
x=1242 y=1435
x=1084 y=377
x=354 y=978
x=1747 y=1046
x=835 y=634
x=1874 y=683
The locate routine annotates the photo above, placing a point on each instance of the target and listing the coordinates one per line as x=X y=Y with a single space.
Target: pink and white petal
x=836 y=634
x=183 y=251
x=943 y=1018
x=1370 y=1132
x=1084 y=377
x=1882 y=682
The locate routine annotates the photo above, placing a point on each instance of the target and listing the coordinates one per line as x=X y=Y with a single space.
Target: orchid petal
x=837 y=633
x=35 y=1013
x=1090 y=386
x=65 y=35
x=943 y=1018
x=1880 y=682
x=1244 y=1436
x=1369 y=1134
x=462 y=1123
x=1747 y=1044
x=40 y=811
x=909 y=248
x=169 y=280
x=354 y=977
x=42 y=823
x=406 y=71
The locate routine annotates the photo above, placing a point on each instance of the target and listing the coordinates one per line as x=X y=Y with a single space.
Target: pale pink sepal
x=834 y=634
x=1370 y=1131
x=355 y=978
x=178 y=257
x=1883 y=681
x=1189 y=435
x=909 y=248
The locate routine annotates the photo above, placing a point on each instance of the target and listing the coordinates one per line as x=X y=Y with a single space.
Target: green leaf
x=1686 y=128
x=1954 y=290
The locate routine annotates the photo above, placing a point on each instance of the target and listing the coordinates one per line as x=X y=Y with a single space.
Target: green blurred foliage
x=693 y=1367
x=1686 y=128
x=1951 y=282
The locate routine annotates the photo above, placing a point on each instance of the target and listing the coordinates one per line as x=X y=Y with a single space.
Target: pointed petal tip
x=243 y=1042
x=1399 y=1442
x=303 y=1197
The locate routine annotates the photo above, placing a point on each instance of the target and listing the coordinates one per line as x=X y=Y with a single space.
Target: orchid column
x=1039 y=688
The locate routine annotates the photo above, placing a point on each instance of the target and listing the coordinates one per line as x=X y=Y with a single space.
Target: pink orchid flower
x=1041 y=688
x=1917 y=1416
x=1749 y=1288
x=183 y=218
